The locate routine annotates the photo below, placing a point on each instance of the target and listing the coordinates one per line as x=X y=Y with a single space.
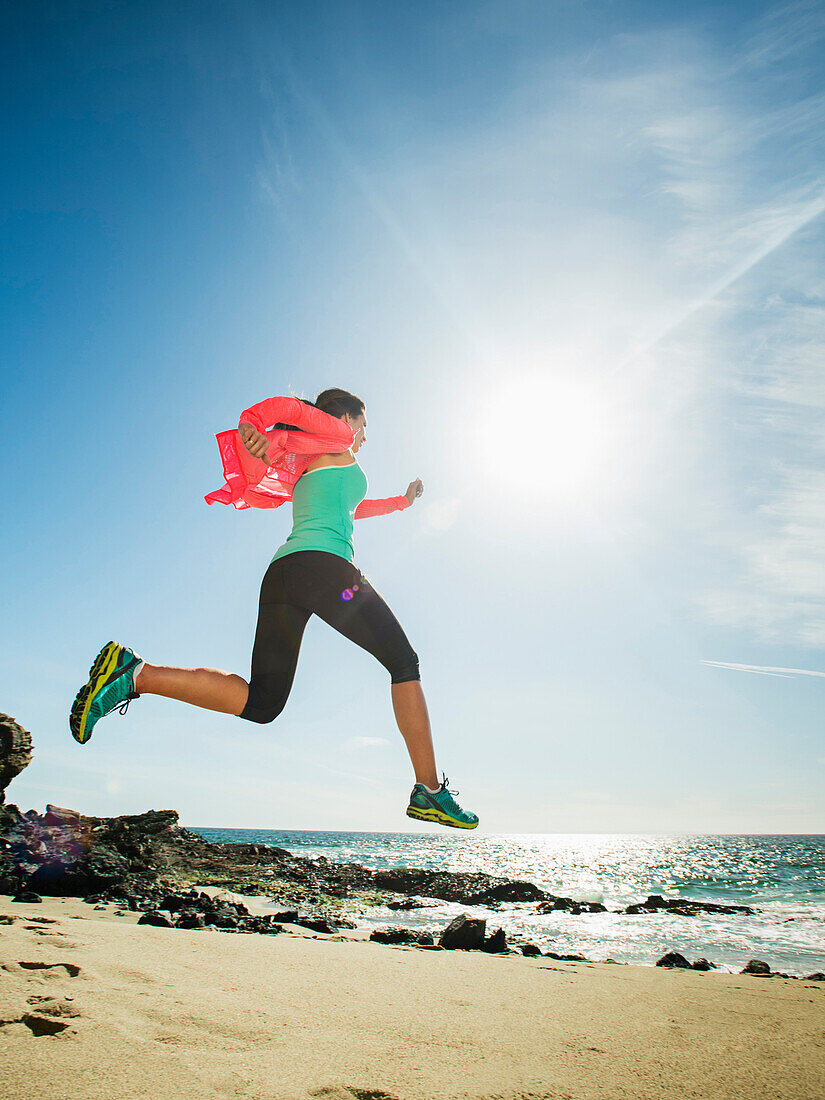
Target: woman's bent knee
x=405 y=670
x=263 y=718
x=261 y=712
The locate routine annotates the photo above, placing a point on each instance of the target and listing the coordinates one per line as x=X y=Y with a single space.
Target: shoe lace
x=121 y=708
x=445 y=781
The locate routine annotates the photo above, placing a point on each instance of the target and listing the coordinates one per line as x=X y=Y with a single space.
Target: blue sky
x=570 y=256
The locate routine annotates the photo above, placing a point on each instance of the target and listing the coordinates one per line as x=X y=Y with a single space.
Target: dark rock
x=393 y=935
x=323 y=924
x=495 y=943
x=174 y=903
x=62 y=818
x=673 y=958
x=152 y=916
x=65 y=875
x=463 y=933
x=10 y=816
x=506 y=891
x=570 y=906
x=401 y=935
x=289 y=917
x=189 y=918
x=817 y=977
x=564 y=958
x=554 y=904
x=27 y=896
x=462 y=886
x=317 y=924
x=407 y=903
x=263 y=925
x=702 y=964
x=223 y=918
x=655 y=903
x=15 y=751
x=756 y=966
x=530 y=950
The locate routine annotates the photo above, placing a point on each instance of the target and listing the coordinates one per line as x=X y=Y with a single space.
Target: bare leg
x=411 y=715
x=210 y=688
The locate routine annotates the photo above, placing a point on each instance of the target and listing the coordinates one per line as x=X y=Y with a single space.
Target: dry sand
x=157 y=1012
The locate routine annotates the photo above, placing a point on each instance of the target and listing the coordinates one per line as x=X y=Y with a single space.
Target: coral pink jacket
x=250 y=483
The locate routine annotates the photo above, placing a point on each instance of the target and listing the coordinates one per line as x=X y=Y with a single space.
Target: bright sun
x=565 y=437
x=552 y=445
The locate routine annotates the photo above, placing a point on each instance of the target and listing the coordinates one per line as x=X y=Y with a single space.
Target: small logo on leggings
x=348 y=593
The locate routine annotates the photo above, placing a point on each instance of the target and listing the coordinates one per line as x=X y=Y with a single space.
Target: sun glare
x=552 y=447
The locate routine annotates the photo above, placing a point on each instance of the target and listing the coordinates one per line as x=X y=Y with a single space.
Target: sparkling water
x=783 y=877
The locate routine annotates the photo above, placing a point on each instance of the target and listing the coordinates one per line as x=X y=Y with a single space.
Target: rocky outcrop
x=686 y=907
x=15 y=752
x=150 y=863
x=408 y=903
x=195 y=909
x=570 y=906
x=144 y=855
x=470 y=888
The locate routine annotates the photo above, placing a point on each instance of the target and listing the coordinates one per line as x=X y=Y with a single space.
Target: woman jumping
x=275 y=455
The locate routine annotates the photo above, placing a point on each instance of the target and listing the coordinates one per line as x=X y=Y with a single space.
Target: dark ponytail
x=334 y=402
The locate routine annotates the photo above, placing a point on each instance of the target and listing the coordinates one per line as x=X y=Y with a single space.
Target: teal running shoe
x=111 y=685
x=440 y=808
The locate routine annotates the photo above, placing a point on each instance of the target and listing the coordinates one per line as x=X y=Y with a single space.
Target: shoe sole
x=102 y=667
x=438 y=819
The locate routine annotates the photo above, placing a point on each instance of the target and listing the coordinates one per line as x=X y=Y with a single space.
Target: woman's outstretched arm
x=386 y=505
x=381 y=507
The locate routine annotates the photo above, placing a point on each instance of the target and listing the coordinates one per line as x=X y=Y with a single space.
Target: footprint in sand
x=47 y=1016
x=351 y=1092
x=51 y=939
x=52 y=969
x=10 y=918
x=53 y=1006
x=44 y=1025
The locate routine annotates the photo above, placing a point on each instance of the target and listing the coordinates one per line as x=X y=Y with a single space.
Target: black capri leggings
x=308 y=582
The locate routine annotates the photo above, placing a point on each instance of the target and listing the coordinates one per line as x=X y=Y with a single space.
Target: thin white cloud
x=783 y=31
x=765 y=670
x=774 y=227
x=365 y=742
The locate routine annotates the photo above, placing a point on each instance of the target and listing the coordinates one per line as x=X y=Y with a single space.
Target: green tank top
x=323 y=509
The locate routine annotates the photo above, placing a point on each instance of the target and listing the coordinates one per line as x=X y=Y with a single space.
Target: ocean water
x=783 y=877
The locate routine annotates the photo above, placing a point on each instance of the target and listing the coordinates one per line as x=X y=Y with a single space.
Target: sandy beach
x=145 y=1011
